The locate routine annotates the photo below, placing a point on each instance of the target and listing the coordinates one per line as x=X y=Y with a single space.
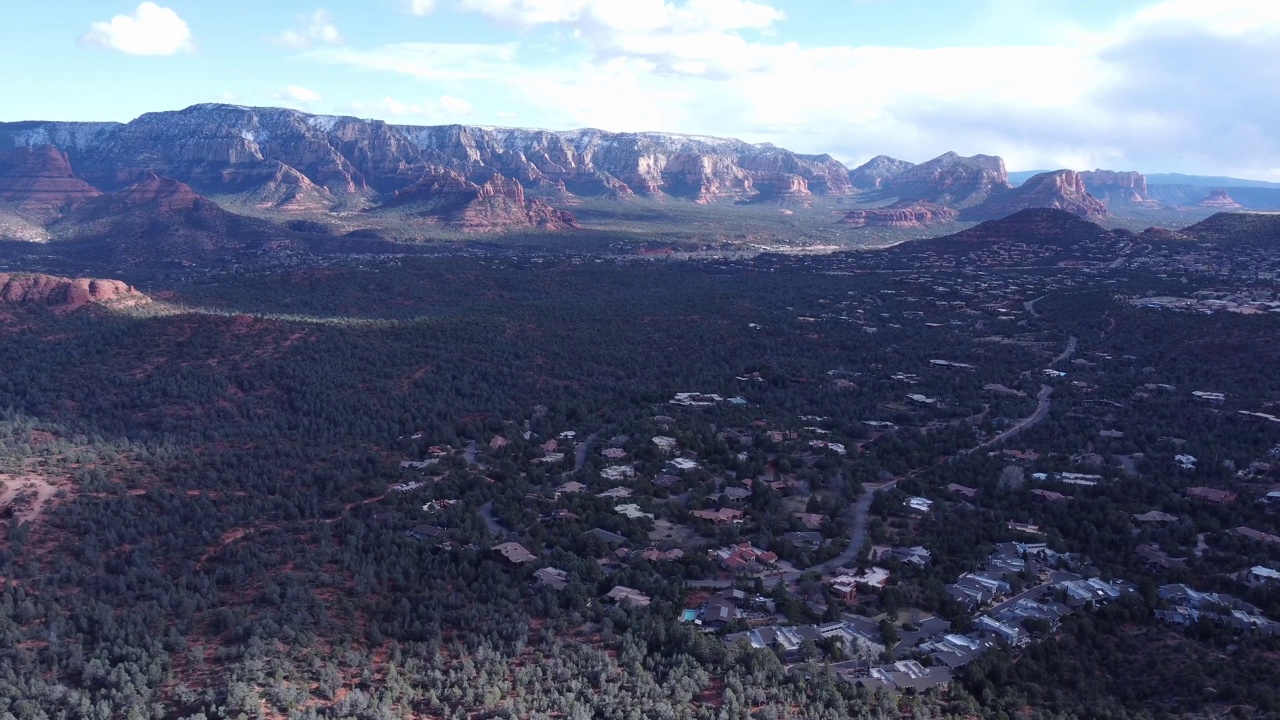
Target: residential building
x=1007 y=634
x=552 y=577
x=723 y=516
x=515 y=553
x=628 y=597
x=1212 y=495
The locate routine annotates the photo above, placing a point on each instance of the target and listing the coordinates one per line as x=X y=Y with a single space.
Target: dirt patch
x=28 y=496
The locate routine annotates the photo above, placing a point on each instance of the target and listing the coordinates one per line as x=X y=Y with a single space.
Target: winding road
x=1072 y=344
x=485 y=512
x=1042 y=411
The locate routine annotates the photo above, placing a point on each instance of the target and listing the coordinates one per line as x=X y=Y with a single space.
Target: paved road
x=580 y=457
x=1055 y=577
x=485 y=512
x=1030 y=305
x=861 y=511
x=1072 y=344
x=1042 y=411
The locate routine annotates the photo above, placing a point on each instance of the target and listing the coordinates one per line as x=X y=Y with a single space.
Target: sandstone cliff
x=291 y=160
x=1117 y=187
x=66 y=294
x=1059 y=190
x=951 y=180
x=873 y=174
x=448 y=198
x=39 y=178
x=161 y=219
x=1221 y=200
x=901 y=215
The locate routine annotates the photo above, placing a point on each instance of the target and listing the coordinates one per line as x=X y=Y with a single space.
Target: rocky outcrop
x=873 y=174
x=950 y=180
x=1059 y=190
x=161 y=220
x=1035 y=226
x=1117 y=187
x=293 y=161
x=448 y=198
x=162 y=195
x=1221 y=200
x=66 y=294
x=40 y=178
x=781 y=187
x=908 y=215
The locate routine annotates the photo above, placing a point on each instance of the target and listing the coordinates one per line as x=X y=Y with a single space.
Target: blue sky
x=1154 y=85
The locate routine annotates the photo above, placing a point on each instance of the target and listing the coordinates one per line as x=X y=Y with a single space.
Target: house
x=550 y=446
x=1212 y=495
x=722 y=608
x=656 y=555
x=743 y=558
x=1155 y=516
x=1157 y=559
x=573 y=486
x=809 y=540
x=1256 y=535
x=1093 y=590
x=611 y=538
x=956 y=651
x=436 y=506
x=563 y=514
x=552 y=577
x=666 y=480
x=973 y=590
x=876 y=577
x=1025 y=528
x=618 y=473
x=962 y=490
x=723 y=516
x=550 y=458
x=498 y=442
x=905 y=676
x=665 y=444
x=614 y=453
x=1026 y=455
x=632 y=511
x=617 y=493
x=922 y=399
x=813 y=521
x=628 y=597
x=428 y=532
x=1007 y=634
x=417 y=464
x=1050 y=495
x=919 y=505
x=917 y=555
x=1186 y=462
x=514 y=553
x=1260 y=575
x=682 y=465
x=844 y=587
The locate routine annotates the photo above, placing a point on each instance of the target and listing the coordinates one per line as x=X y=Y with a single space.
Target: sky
x=1152 y=85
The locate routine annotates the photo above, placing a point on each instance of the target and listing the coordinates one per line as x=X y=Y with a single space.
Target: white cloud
x=316 y=28
x=150 y=30
x=420 y=7
x=444 y=110
x=696 y=37
x=1177 y=85
x=427 y=61
x=455 y=106
x=302 y=95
